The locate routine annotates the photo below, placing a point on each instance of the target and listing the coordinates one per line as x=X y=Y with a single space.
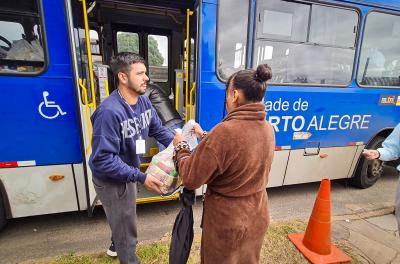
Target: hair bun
x=263 y=73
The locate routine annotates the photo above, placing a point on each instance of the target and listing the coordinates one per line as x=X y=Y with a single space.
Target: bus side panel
x=302 y=169
x=36 y=131
x=211 y=92
x=31 y=192
x=278 y=168
x=328 y=117
x=323 y=116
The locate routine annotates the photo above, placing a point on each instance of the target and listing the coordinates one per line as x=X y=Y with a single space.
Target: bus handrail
x=188 y=14
x=89 y=52
x=87 y=114
x=191 y=99
x=177 y=87
x=106 y=86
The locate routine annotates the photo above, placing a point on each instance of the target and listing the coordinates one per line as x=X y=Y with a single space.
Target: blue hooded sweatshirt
x=116 y=127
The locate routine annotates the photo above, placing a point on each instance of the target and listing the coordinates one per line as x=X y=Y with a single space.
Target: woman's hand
x=197 y=130
x=178 y=138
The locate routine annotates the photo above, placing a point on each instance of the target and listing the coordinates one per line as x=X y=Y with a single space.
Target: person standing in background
x=390 y=150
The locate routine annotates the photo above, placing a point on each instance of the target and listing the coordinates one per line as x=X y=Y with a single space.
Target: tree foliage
x=130 y=42
x=155 y=57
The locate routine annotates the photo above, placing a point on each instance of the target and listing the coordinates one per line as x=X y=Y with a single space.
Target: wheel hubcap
x=375 y=169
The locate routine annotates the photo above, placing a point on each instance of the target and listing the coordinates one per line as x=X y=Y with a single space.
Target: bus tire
x=3 y=218
x=368 y=171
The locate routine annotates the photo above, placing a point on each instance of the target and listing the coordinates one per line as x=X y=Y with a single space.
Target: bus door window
x=380 y=53
x=157 y=56
x=127 y=42
x=83 y=64
x=21 y=40
x=306 y=43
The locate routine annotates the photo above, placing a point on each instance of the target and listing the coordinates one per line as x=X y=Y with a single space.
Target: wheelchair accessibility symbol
x=51 y=109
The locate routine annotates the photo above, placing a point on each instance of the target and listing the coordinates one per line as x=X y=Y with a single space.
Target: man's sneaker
x=111 y=250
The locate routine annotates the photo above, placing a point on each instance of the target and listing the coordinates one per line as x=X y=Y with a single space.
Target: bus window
x=128 y=42
x=303 y=43
x=380 y=53
x=21 y=49
x=158 y=58
x=283 y=21
x=333 y=26
x=232 y=36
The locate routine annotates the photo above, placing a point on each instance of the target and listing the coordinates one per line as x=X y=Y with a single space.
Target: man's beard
x=135 y=89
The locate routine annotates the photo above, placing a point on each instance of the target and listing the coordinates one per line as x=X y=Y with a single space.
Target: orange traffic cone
x=315 y=244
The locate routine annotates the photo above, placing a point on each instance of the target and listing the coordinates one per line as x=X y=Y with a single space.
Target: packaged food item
x=162 y=165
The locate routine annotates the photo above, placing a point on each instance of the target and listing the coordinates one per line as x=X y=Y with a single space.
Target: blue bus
x=334 y=91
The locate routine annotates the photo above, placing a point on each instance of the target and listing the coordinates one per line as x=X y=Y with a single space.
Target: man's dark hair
x=123 y=61
x=251 y=82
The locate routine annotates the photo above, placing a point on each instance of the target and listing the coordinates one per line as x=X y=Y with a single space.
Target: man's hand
x=370 y=154
x=153 y=184
x=178 y=138
x=197 y=130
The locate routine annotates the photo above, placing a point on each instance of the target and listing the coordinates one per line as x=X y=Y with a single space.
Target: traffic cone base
x=335 y=256
x=315 y=243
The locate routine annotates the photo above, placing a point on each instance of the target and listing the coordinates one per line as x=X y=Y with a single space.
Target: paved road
x=52 y=235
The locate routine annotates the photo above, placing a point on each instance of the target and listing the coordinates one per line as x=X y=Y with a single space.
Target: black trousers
x=119 y=203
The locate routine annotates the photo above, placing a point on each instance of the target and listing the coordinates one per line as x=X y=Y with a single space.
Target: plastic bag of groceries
x=162 y=165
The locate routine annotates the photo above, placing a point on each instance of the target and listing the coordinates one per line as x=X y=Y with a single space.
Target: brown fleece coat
x=234 y=161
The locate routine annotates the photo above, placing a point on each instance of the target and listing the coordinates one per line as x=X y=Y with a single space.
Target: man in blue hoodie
x=390 y=151
x=120 y=126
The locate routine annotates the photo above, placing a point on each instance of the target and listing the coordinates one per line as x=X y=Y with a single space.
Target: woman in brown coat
x=234 y=160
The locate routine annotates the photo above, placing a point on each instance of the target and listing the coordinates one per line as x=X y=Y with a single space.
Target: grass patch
x=82 y=259
x=277 y=248
x=157 y=253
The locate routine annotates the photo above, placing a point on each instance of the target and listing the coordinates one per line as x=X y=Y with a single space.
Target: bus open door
x=158 y=33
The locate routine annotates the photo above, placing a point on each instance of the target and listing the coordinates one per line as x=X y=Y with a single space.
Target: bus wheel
x=3 y=219
x=368 y=171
